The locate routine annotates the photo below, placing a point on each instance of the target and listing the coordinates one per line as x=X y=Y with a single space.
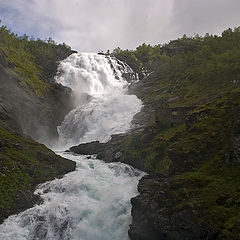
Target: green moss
x=213 y=193
x=164 y=165
x=12 y=181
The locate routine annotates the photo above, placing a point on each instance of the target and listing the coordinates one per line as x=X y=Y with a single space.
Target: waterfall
x=103 y=106
x=93 y=202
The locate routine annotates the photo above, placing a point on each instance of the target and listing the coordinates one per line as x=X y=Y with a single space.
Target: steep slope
x=186 y=137
x=31 y=107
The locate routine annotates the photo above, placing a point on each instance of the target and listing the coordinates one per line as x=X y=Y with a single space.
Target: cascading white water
x=93 y=202
x=103 y=107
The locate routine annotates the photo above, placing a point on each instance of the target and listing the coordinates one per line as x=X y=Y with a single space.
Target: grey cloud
x=92 y=25
x=213 y=16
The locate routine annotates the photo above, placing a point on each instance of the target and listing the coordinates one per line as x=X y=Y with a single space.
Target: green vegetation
x=31 y=59
x=212 y=193
x=200 y=152
x=196 y=68
x=23 y=165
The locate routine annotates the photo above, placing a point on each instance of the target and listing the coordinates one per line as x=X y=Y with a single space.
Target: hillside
x=31 y=106
x=193 y=140
x=186 y=137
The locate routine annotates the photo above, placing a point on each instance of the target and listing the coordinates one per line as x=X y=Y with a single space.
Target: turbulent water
x=93 y=202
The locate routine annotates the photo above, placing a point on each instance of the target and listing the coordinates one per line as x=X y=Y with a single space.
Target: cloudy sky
x=92 y=25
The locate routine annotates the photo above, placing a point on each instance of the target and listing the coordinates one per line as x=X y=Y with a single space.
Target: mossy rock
x=24 y=164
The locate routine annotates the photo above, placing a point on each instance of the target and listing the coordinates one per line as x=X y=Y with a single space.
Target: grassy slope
x=31 y=59
x=200 y=154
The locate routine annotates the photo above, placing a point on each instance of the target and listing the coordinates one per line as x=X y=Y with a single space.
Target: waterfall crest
x=103 y=106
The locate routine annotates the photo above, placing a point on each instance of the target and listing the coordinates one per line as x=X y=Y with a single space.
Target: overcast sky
x=92 y=25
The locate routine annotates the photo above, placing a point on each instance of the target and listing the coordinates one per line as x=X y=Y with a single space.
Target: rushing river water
x=93 y=202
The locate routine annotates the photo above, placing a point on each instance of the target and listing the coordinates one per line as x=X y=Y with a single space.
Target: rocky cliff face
x=154 y=214
x=193 y=159
x=23 y=110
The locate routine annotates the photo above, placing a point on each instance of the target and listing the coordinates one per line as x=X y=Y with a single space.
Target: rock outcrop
x=154 y=214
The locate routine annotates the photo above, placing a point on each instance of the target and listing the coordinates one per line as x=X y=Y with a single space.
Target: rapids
x=91 y=203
